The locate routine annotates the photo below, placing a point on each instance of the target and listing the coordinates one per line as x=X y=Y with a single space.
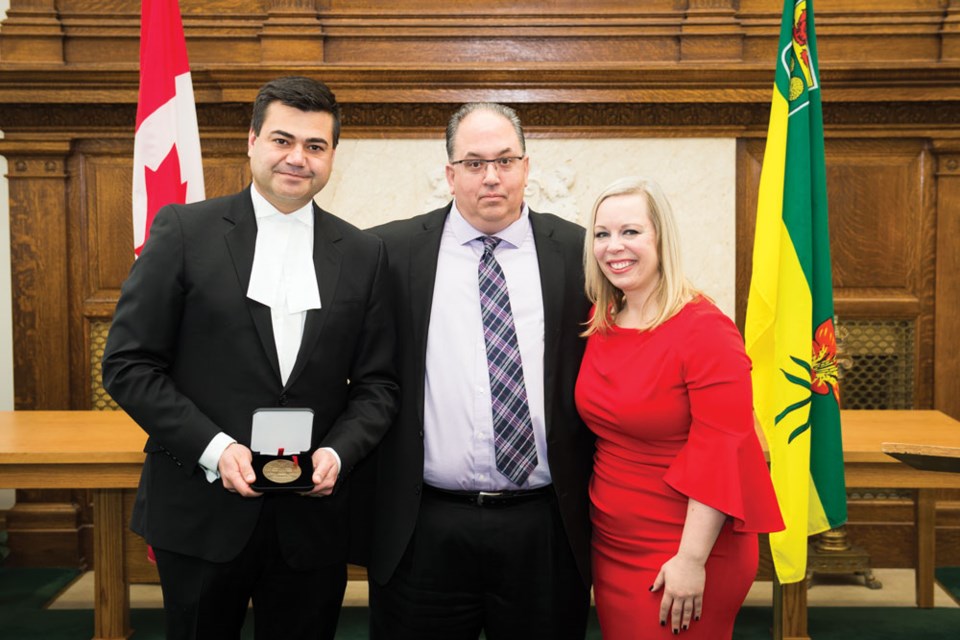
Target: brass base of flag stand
x=832 y=553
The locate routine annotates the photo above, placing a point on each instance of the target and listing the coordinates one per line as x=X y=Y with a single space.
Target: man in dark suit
x=256 y=300
x=481 y=518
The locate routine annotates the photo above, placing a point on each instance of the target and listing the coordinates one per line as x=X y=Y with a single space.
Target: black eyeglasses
x=479 y=165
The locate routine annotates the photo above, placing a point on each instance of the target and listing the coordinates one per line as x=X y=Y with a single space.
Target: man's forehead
x=479 y=124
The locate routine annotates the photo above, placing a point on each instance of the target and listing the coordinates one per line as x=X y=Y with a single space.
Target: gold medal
x=281 y=471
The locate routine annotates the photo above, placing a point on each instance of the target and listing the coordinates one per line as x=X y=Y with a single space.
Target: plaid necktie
x=515 y=447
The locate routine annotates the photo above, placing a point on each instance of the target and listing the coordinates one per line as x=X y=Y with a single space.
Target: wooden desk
x=867 y=466
x=925 y=457
x=98 y=450
x=102 y=451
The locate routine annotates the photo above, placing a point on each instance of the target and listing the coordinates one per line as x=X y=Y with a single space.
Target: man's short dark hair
x=299 y=92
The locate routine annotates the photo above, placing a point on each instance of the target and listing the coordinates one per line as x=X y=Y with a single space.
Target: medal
x=281 y=471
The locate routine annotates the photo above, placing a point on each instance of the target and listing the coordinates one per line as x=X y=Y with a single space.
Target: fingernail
x=651 y=587
x=697 y=618
x=676 y=632
x=663 y=623
x=685 y=627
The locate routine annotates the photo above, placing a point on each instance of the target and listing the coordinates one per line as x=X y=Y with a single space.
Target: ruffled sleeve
x=722 y=464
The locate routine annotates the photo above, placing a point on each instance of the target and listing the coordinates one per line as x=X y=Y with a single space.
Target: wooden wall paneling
x=749 y=165
x=102 y=232
x=291 y=32
x=876 y=214
x=856 y=31
x=948 y=530
x=226 y=168
x=882 y=235
x=947 y=363
x=710 y=31
x=927 y=282
x=44 y=529
x=950 y=32
x=32 y=32
x=100 y=241
x=102 y=237
x=881 y=522
x=106 y=29
x=38 y=239
x=879 y=221
x=225 y=32
x=491 y=8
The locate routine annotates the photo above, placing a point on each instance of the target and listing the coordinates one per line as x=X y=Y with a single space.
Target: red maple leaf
x=164 y=185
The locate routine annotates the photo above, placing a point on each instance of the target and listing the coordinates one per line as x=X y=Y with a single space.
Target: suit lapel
x=552 y=277
x=424 y=252
x=326 y=263
x=241 y=241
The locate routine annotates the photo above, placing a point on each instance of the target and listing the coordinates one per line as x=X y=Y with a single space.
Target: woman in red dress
x=680 y=487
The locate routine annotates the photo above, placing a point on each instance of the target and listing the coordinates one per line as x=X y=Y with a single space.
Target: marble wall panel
x=379 y=180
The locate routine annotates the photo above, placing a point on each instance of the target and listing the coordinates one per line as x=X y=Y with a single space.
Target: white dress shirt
x=458 y=419
x=283 y=278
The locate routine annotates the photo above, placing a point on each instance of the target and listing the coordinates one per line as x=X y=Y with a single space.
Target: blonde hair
x=673 y=289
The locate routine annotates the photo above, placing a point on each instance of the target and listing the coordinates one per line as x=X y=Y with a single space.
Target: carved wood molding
x=892 y=119
x=382 y=31
x=663 y=83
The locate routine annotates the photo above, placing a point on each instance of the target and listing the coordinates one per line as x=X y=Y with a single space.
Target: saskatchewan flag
x=796 y=392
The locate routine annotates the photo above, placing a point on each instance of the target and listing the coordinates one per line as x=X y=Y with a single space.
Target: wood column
x=38 y=272
x=44 y=526
x=947 y=323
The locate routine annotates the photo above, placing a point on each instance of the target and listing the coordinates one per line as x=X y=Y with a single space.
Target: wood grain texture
x=111 y=593
x=947 y=291
x=703 y=68
x=421 y=32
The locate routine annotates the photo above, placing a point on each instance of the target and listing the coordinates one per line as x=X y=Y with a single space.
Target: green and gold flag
x=796 y=391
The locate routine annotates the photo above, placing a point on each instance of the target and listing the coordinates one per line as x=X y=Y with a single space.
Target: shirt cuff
x=337 y=456
x=210 y=458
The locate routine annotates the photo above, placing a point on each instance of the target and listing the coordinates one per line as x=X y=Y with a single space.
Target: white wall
x=374 y=181
x=6 y=338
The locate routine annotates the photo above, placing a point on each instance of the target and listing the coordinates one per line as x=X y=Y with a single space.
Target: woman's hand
x=682 y=581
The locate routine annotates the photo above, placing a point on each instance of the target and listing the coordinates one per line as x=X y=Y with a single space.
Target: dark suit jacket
x=189 y=355
x=413 y=246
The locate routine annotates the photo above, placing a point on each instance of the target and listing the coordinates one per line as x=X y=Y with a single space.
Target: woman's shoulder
x=703 y=307
x=705 y=323
x=702 y=313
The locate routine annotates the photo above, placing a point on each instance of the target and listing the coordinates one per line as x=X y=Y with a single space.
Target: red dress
x=672 y=410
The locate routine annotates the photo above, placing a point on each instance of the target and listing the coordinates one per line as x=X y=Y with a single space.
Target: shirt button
x=283 y=400
x=416 y=489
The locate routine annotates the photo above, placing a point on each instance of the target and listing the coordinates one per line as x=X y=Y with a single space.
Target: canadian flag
x=166 y=150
